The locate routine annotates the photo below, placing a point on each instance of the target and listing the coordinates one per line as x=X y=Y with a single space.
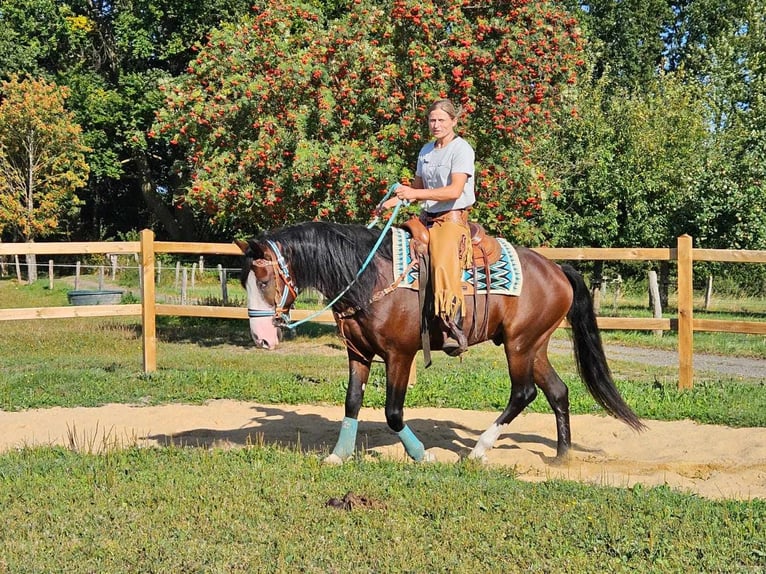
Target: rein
x=280 y=313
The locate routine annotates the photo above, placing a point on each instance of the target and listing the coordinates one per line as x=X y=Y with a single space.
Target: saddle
x=486 y=249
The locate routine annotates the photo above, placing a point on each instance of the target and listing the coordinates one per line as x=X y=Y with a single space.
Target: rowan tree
x=42 y=161
x=289 y=116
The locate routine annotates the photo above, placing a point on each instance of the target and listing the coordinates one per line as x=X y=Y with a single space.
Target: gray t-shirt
x=435 y=165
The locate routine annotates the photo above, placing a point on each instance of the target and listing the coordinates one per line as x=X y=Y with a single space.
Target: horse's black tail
x=589 y=353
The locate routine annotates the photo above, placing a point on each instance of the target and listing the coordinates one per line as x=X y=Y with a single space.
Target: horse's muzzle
x=265 y=335
x=264 y=344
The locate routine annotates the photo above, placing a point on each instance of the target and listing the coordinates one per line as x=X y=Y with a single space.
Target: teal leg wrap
x=412 y=444
x=344 y=448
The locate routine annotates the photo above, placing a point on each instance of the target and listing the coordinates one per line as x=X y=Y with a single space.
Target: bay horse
x=375 y=318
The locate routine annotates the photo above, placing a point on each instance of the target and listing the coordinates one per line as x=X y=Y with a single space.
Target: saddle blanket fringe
x=505 y=274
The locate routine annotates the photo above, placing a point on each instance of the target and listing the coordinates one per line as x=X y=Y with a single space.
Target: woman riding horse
x=376 y=318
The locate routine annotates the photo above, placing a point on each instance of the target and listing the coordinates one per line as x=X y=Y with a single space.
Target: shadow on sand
x=314 y=433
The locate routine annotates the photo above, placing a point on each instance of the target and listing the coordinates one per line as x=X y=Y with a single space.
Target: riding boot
x=455 y=343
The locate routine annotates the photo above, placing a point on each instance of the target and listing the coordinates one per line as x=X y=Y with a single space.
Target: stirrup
x=455 y=343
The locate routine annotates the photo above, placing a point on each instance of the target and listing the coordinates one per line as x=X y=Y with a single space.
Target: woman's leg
x=450 y=250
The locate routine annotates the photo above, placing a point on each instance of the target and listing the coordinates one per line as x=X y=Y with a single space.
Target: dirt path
x=744 y=368
x=712 y=461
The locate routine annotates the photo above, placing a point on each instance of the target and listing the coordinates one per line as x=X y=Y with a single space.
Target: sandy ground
x=712 y=461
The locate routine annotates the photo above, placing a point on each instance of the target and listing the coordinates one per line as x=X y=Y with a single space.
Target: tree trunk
x=155 y=202
x=31 y=157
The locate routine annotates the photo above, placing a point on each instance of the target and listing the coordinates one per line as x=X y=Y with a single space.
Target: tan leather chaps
x=450 y=251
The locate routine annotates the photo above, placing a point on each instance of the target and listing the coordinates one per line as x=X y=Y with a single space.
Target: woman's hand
x=402 y=193
x=389 y=203
x=406 y=193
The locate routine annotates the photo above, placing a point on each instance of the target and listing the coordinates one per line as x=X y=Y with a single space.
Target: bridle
x=281 y=311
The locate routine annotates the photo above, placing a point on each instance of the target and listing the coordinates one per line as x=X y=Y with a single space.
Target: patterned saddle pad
x=505 y=274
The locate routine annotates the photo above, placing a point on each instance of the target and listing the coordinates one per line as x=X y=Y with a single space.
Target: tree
x=42 y=161
x=629 y=164
x=30 y=31
x=112 y=55
x=290 y=116
x=699 y=25
x=730 y=198
x=716 y=50
x=627 y=39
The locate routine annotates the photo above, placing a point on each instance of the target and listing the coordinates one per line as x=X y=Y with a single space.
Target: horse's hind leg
x=557 y=394
x=523 y=392
x=358 y=373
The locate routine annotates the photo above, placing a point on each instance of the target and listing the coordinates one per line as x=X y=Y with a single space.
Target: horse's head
x=270 y=290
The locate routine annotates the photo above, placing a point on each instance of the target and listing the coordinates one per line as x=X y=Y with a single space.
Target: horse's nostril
x=263 y=344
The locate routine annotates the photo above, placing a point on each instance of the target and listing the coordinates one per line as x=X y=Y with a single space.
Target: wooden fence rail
x=147 y=248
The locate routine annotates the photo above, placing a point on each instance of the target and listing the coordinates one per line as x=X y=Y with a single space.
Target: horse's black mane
x=328 y=256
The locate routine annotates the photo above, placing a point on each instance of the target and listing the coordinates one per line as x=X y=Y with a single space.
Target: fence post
x=184 y=284
x=708 y=292
x=685 y=314
x=223 y=278
x=654 y=299
x=148 y=305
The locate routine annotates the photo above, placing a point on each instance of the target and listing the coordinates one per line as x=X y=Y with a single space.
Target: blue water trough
x=95 y=297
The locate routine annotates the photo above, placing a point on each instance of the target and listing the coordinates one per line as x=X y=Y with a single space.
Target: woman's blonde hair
x=447 y=106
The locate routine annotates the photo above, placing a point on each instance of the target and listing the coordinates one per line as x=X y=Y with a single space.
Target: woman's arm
x=446 y=193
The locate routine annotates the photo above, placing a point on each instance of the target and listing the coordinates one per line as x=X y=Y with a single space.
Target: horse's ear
x=250 y=248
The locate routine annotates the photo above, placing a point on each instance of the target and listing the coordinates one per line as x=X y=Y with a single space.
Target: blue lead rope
x=389 y=223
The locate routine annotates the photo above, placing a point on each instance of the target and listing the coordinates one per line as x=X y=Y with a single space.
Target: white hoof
x=333 y=459
x=480 y=458
x=428 y=457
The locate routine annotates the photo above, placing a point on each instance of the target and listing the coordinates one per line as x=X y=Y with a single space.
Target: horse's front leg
x=358 y=373
x=397 y=380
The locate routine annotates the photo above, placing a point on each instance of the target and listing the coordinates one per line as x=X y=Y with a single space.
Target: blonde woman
x=444 y=186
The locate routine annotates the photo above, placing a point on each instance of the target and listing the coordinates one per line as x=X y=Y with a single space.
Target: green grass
x=263 y=509
x=88 y=362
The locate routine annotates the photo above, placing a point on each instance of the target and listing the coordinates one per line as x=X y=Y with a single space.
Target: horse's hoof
x=478 y=458
x=562 y=459
x=333 y=459
x=428 y=457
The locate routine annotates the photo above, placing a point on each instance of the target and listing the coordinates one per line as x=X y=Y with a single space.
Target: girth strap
x=485 y=323
x=423 y=291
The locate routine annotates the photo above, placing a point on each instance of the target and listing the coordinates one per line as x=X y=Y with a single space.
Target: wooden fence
x=147 y=248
